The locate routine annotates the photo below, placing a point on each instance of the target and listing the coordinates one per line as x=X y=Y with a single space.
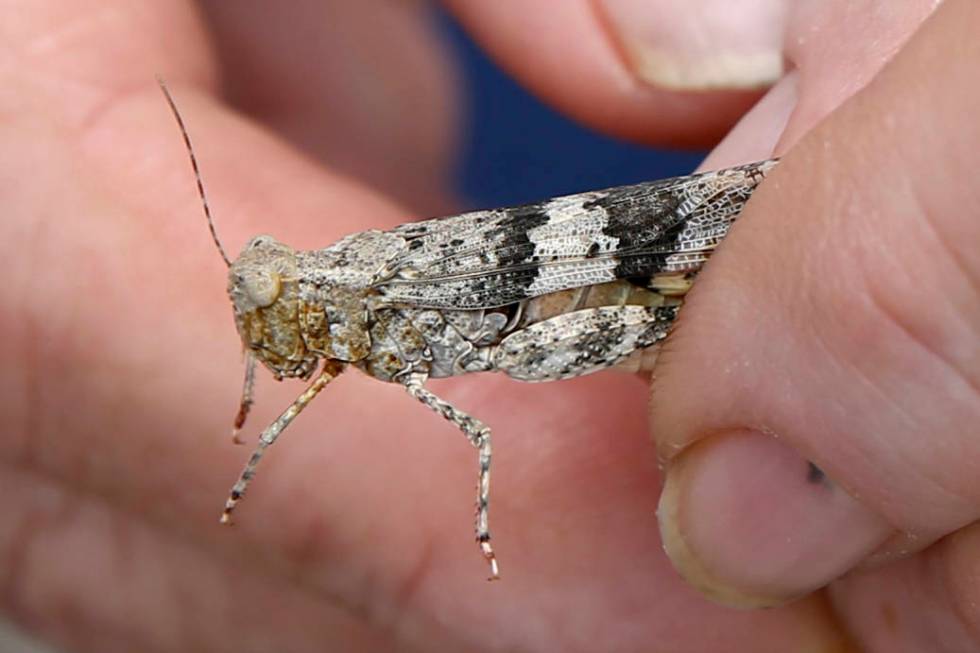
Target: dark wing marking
x=492 y=258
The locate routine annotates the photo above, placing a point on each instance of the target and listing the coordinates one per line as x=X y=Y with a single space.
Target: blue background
x=516 y=150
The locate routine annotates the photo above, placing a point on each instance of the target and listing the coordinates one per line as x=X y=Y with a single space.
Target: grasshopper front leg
x=331 y=369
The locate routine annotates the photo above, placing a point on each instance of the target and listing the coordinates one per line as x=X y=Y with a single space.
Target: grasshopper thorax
x=263 y=283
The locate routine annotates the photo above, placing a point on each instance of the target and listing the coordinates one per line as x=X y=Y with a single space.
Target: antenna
x=197 y=171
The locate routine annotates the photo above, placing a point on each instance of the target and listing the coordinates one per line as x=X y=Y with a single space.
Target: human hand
x=839 y=325
x=122 y=376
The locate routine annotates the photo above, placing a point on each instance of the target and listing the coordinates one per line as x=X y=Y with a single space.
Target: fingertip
x=704 y=45
x=571 y=54
x=750 y=523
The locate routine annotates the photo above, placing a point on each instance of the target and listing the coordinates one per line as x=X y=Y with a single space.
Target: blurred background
x=514 y=150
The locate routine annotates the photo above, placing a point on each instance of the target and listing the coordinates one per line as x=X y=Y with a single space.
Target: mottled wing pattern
x=492 y=258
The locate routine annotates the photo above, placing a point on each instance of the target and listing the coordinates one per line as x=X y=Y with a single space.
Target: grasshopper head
x=264 y=290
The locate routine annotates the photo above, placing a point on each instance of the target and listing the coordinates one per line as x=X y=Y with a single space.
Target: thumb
x=819 y=402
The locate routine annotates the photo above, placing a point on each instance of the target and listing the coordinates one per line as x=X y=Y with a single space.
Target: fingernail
x=699 y=45
x=750 y=523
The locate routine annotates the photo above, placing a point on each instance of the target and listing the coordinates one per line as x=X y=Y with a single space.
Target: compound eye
x=260 y=241
x=263 y=287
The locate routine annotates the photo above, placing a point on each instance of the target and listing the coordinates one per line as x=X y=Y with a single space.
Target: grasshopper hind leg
x=479 y=436
x=583 y=341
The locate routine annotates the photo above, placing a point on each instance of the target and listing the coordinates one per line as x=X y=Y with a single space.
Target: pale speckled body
x=539 y=292
x=440 y=296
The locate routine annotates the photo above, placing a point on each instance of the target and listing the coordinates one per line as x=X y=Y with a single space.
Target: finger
x=366 y=87
x=828 y=47
x=841 y=318
x=830 y=59
x=54 y=68
x=121 y=356
x=925 y=603
x=359 y=503
x=157 y=589
x=654 y=71
x=930 y=602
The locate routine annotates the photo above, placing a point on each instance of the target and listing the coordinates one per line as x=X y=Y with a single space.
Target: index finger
x=655 y=71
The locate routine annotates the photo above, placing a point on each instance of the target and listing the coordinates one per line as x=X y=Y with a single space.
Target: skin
x=121 y=367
